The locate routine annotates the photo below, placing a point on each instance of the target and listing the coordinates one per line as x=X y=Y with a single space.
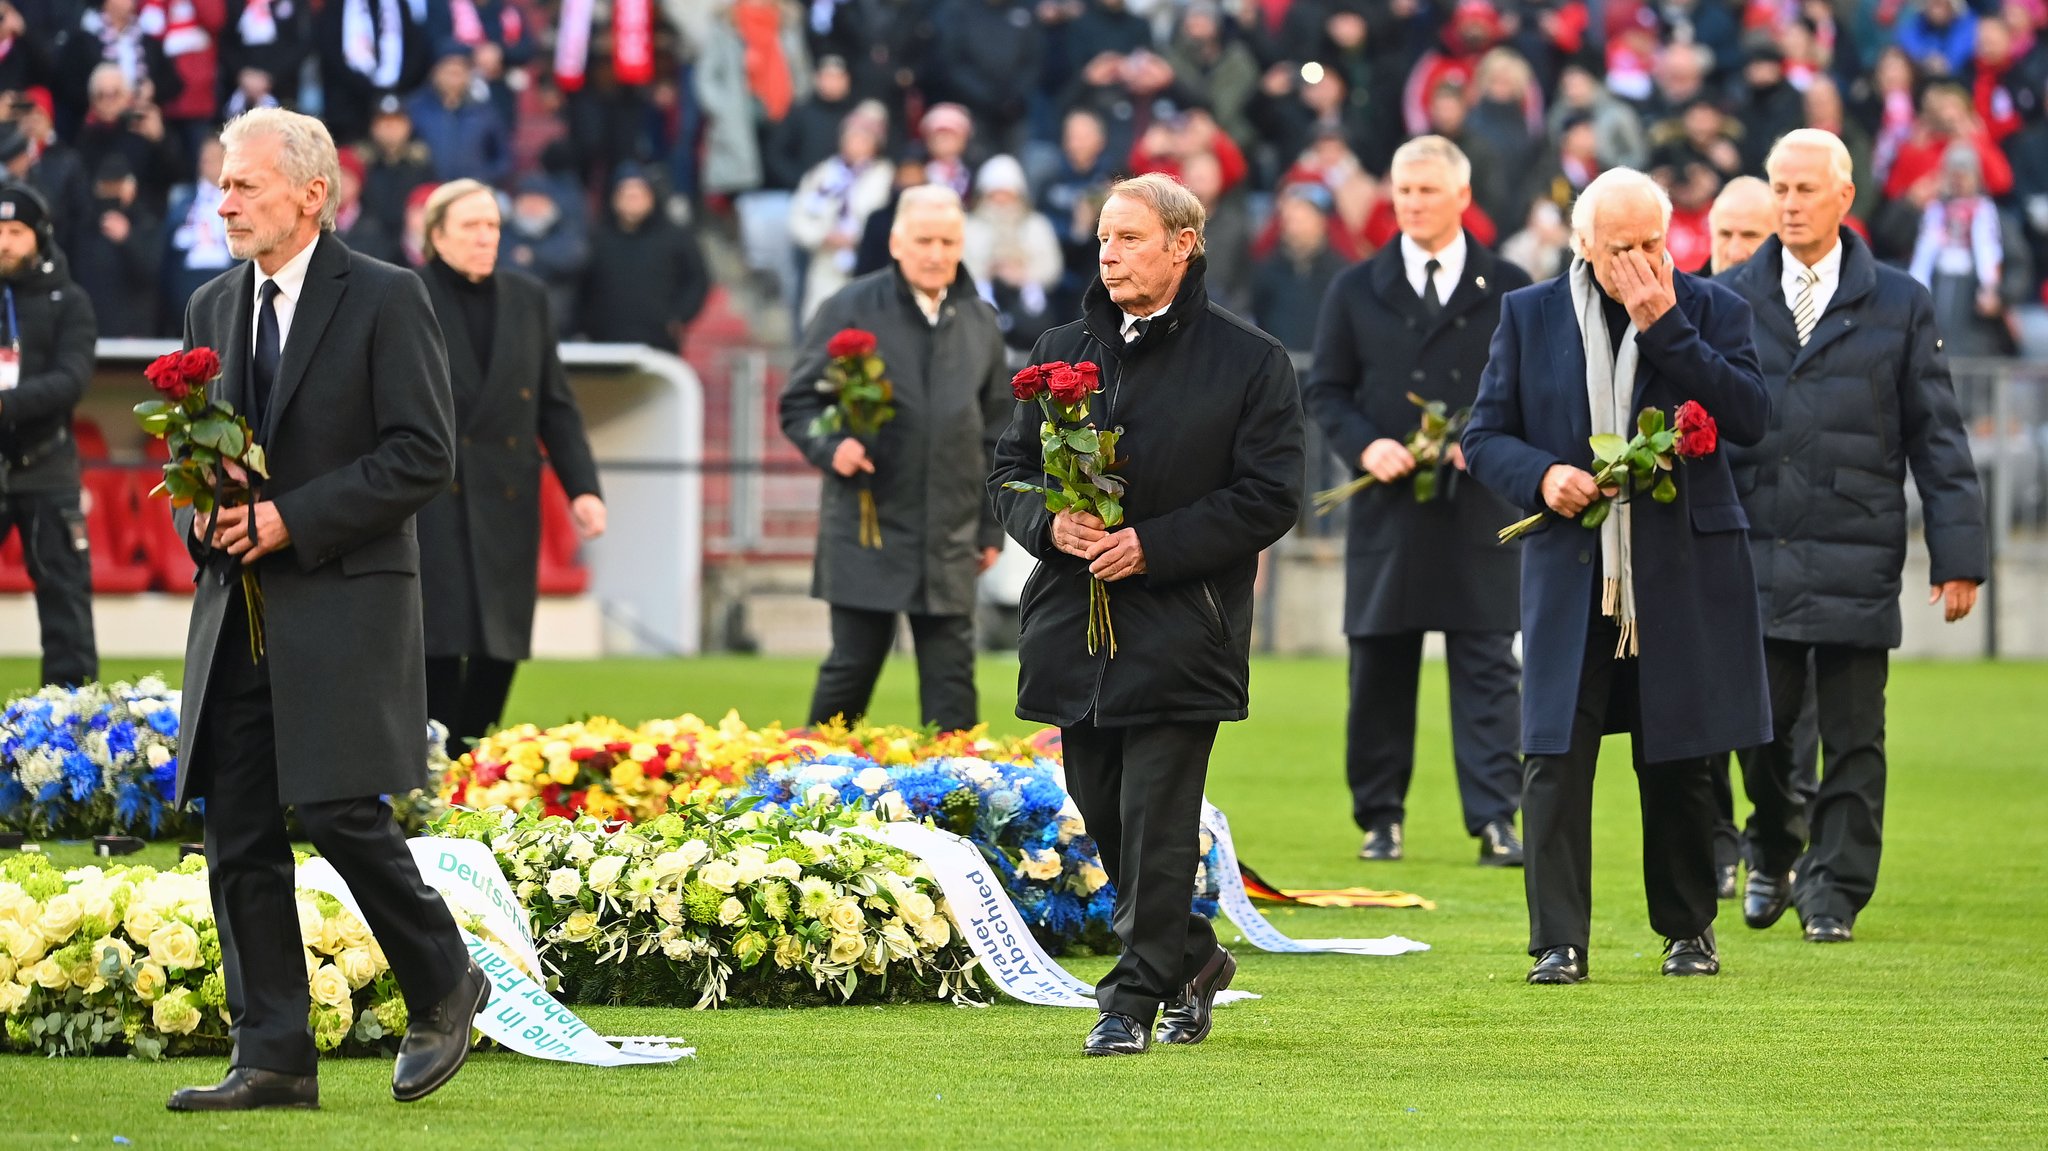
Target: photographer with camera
x=46 y=356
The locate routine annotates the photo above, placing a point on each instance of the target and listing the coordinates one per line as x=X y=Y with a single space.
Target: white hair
x=937 y=197
x=1839 y=163
x=305 y=151
x=1604 y=188
x=1736 y=189
x=1423 y=149
x=103 y=71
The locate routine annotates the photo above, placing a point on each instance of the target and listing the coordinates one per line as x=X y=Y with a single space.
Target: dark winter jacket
x=642 y=281
x=58 y=328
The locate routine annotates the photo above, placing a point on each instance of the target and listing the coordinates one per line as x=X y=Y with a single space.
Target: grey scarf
x=1610 y=397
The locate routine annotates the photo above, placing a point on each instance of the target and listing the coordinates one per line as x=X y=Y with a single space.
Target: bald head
x=1741 y=220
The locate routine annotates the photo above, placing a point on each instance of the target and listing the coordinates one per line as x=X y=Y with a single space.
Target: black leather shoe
x=1559 y=965
x=1117 y=1034
x=250 y=1089
x=1766 y=899
x=1695 y=956
x=1499 y=846
x=1828 y=929
x=437 y=1041
x=1186 y=1020
x=1725 y=887
x=1382 y=841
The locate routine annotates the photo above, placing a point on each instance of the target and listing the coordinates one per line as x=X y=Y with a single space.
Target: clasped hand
x=1568 y=490
x=1111 y=555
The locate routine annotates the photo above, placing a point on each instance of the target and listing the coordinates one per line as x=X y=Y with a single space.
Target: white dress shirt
x=1130 y=328
x=1830 y=272
x=929 y=305
x=291 y=283
x=1450 y=261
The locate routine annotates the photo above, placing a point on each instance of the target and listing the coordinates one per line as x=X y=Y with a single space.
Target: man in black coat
x=1212 y=457
x=480 y=539
x=1647 y=624
x=1860 y=390
x=1416 y=319
x=942 y=352
x=338 y=364
x=647 y=278
x=45 y=362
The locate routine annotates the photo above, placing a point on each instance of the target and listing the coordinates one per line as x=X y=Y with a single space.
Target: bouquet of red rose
x=1078 y=461
x=860 y=406
x=1430 y=444
x=215 y=459
x=1646 y=462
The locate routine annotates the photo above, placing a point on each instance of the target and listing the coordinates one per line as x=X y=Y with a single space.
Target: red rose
x=199 y=366
x=1091 y=374
x=1028 y=384
x=1697 y=435
x=166 y=374
x=1069 y=385
x=850 y=342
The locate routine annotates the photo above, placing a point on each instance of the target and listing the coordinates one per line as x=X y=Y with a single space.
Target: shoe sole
x=1555 y=981
x=1769 y=921
x=1830 y=939
x=310 y=1106
x=483 y=1000
x=1493 y=861
x=1715 y=970
x=1209 y=1003
x=1093 y=1053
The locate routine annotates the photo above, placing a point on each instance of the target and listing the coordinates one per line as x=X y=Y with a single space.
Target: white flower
x=694 y=852
x=784 y=868
x=896 y=938
x=604 y=874
x=916 y=906
x=565 y=883
x=751 y=863
x=60 y=917
x=329 y=986
x=309 y=920
x=719 y=874
x=820 y=795
x=158 y=755
x=731 y=911
x=13 y=997
x=846 y=948
x=176 y=1013
x=357 y=966
x=142 y=921
x=821 y=774
x=892 y=808
x=582 y=848
x=871 y=779
x=819 y=843
x=16 y=906
x=934 y=931
x=668 y=865
x=845 y=917
x=22 y=943
x=578 y=927
x=175 y=944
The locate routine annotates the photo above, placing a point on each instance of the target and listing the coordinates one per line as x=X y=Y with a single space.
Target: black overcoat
x=1825 y=490
x=1212 y=452
x=480 y=539
x=952 y=398
x=360 y=436
x=1414 y=567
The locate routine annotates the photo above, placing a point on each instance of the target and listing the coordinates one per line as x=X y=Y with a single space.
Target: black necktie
x=1432 y=303
x=1139 y=329
x=263 y=366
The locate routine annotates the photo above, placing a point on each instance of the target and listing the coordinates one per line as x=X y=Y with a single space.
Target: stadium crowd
x=801 y=122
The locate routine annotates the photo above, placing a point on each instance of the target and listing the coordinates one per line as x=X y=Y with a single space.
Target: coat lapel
x=231 y=324
x=1858 y=279
x=1474 y=286
x=326 y=277
x=1390 y=284
x=1567 y=358
x=465 y=375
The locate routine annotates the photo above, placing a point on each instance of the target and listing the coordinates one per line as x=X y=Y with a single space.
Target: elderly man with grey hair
x=339 y=365
x=1860 y=392
x=1646 y=620
x=943 y=353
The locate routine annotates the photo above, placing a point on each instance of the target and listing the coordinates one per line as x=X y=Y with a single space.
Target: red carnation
x=199 y=366
x=1697 y=435
x=1028 y=384
x=1069 y=385
x=850 y=342
x=167 y=375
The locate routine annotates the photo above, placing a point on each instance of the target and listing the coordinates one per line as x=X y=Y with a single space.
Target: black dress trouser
x=54 y=549
x=1557 y=815
x=1140 y=792
x=1841 y=828
x=860 y=645
x=1379 y=743
x=1733 y=843
x=466 y=694
x=250 y=871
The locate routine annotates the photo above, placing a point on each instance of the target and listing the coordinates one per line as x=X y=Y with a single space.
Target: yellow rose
x=668 y=865
x=309 y=921
x=356 y=966
x=6 y=969
x=1041 y=864
x=13 y=997
x=578 y=927
x=916 y=906
x=350 y=932
x=60 y=916
x=789 y=951
x=719 y=874
x=175 y=944
x=604 y=874
x=731 y=911
x=150 y=981
x=1092 y=878
x=142 y=921
x=784 y=868
x=22 y=942
x=934 y=931
x=330 y=987
x=176 y=1013
x=845 y=917
x=846 y=948
x=46 y=974
x=330 y=934
x=16 y=906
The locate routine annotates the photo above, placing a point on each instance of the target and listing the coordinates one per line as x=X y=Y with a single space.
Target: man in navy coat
x=1648 y=624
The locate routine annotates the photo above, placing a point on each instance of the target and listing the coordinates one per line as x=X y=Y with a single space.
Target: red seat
x=559 y=572
x=169 y=563
x=117 y=567
x=13 y=566
x=92 y=442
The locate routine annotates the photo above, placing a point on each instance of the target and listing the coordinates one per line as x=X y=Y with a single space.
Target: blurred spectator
x=53 y=167
x=197 y=241
x=1507 y=149
x=1289 y=283
x=125 y=125
x=1972 y=259
x=2008 y=87
x=987 y=60
x=873 y=253
x=1069 y=201
x=1173 y=137
x=1946 y=119
x=252 y=90
x=833 y=202
x=109 y=34
x=1771 y=108
x=1024 y=311
x=1107 y=28
x=545 y=242
x=1218 y=70
x=647 y=278
x=1824 y=110
x=1940 y=37
x=1744 y=215
x=751 y=70
x=1289 y=31
x=26 y=61
x=1893 y=107
x=412 y=232
x=463 y=134
x=1576 y=163
x=1701 y=134
x=945 y=130
x=810 y=132
x=1689 y=237
x=1619 y=140
x=190 y=32
x=1680 y=79
x=1121 y=90
x=1552 y=35
x=1836 y=41
x=369 y=49
x=1473 y=29
x=273 y=37
x=398 y=163
x=1227 y=236
x=1543 y=247
x=354 y=226
x=502 y=40
x=1003 y=226
x=1711 y=24
x=1290 y=111
x=120 y=255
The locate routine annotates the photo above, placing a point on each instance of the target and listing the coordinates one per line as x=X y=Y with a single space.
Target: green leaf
x=1425 y=485
x=157 y=424
x=1084 y=440
x=256 y=460
x=1597 y=514
x=211 y=431
x=1021 y=486
x=148 y=408
x=1110 y=508
x=1651 y=421
x=232 y=442
x=1662 y=442
x=1607 y=449
x=1665 y=491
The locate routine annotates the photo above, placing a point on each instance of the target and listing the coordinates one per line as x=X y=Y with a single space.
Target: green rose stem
x=1429 y=443
x=1642 y=463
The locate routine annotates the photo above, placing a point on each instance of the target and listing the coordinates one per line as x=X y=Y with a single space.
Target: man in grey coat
x=943 y=355
x=1859 y=390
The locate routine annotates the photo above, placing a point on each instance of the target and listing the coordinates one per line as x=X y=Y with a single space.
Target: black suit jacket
x=359 y=436
x=480 y=539
x=1410 y=566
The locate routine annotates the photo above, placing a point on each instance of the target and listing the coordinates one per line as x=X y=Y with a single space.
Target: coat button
x=512 y=442
x=511 y=493
x=456 y=487
x=1418 y=375
x=1585 y=557
x=465 y=441
x=1459 y=322
x=1456 y=375
x=526 y=393
x=1411 y=323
